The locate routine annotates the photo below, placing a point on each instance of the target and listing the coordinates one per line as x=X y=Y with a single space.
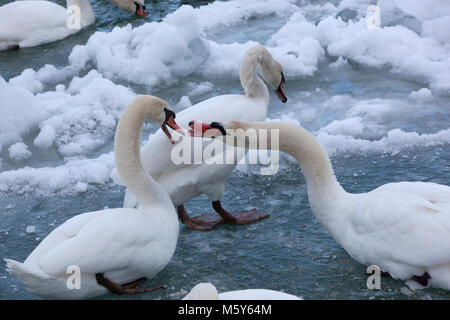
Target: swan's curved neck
x=86 y=12
x=127 y=153
x=323 y=188
x=250 y=81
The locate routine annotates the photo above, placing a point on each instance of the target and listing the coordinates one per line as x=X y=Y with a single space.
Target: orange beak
x=173 y=125
x=141 y=12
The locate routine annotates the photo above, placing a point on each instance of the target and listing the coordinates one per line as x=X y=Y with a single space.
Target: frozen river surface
x=378 y=100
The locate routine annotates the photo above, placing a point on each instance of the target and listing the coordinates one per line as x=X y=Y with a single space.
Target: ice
x=19 y=151
x=72 y=111
x=149 y=54
x=30 y=229
x=20 y=111
x=46 y=137
x=347 y=127
x=235 y=11
x=395 y=141
x=184 y=102
x=437 y=28
x=196 y=89
x=69 y=178
x=422 y=95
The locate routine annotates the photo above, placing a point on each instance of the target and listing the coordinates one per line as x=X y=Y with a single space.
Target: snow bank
x=396 y=141
x=19 y=151
x=421 y=58
x=72 y=177
x=20 y=113
x=148 y=54
x=422 y=95
x=78 y=118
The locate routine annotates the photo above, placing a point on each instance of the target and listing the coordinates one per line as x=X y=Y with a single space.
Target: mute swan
x=30 y=23
x=207 y=291
x=404 y=227
x=186 y=181
x=113 y=249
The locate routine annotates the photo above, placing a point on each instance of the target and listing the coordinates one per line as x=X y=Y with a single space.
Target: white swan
x=207 y=291
x=186 y=181
x=30 y=23
x=114 y=249
x=404 y=227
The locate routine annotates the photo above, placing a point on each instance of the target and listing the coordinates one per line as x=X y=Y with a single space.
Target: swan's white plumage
x=33 y=22
x=403 y=227
x=207 y=291
x=124 y=244
x=186 y=181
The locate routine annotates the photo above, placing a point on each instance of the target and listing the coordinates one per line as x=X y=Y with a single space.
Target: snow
x=30 y=229
x=20 y=111
x=148 y=54
x=422 y=95
x=19 y=151
x=72 y=111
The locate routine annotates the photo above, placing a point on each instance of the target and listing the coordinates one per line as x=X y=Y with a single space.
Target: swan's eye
x=219 y=126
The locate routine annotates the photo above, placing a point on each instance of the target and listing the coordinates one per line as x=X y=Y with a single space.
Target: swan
x=207 y=291
x=186 y=181
x=114 y=250
x=29 y=23
x=403 y=228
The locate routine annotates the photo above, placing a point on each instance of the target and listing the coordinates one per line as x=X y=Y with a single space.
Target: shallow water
x=290 y=251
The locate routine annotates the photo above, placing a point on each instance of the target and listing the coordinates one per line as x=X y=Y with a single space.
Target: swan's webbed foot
x=205 y=222
x=209 y=221
x=422 y=280
x=129 y=288
x=244 y=217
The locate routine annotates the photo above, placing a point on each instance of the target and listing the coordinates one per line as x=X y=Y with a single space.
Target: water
x=290 y=251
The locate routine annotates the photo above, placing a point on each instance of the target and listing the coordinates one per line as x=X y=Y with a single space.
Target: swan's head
x=134 y=6
x=210 y=130
x=272 y=72
x=158 y=111
x=203 y=291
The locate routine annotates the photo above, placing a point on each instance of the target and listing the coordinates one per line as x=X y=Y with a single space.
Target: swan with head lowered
x=30 y=23
x=186 y=181
x=403 y=227
x=114 y=250
x=207 y=291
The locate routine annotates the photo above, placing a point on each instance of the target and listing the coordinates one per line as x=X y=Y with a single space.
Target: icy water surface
x=381 y=119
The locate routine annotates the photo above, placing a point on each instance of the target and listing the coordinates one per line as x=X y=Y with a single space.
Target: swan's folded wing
x=403 y=226
x=104 y=244
x=433 y=192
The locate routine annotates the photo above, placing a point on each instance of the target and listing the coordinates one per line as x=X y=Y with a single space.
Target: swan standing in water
x=31 y=23
x=403 y=227
x=186 y=181
x=207 y=291
x=114 y=249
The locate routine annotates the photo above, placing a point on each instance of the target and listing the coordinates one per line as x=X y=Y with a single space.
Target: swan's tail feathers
x=32 y=279
x=22 y=271
x=14 y=267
